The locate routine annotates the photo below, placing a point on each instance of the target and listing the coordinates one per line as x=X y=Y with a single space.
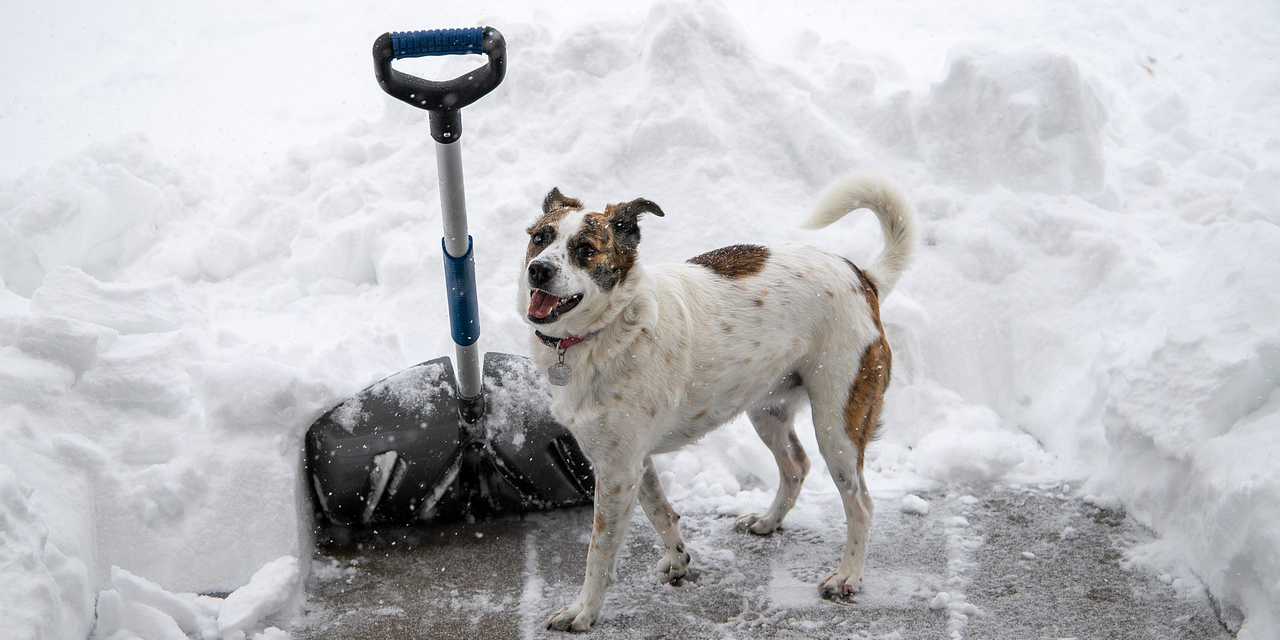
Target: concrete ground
x=1012 y=564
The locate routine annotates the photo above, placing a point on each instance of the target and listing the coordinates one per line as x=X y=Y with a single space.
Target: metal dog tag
x=558 y=374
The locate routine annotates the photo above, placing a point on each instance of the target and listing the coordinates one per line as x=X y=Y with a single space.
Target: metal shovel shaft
x=460 y=273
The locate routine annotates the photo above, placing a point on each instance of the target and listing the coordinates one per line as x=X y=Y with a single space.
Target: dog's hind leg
x=773 y=422
x=845 y=416
x=674 y=565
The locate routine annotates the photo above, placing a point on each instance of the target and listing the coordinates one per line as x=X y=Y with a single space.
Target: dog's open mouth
x=544 y=307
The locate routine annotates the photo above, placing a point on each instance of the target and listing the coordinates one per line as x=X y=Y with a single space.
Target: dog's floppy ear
x=556 y=200
x=624 y=218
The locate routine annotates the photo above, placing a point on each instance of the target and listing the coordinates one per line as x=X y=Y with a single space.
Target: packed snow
x=206 y=243
x=914 y=504
x=134 y=607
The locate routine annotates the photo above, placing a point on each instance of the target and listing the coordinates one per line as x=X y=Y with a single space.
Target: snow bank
x=137 y=608
x=1094 y=297
x=1028 y=120
x=40 y=581
x=270 y=588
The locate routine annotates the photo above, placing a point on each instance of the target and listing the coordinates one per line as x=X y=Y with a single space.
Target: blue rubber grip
x=464 y=309
x=437 y=42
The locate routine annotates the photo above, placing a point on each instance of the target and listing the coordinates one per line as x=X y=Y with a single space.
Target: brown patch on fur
x=548 y=221
x=867 y=286
x=610 y=258
x=734 y=261
x=554 y=208
x=597 y=228
x=759 y=302
x=700 y=414
x=598 y=525
x=607 y=246
x=556 y=200
x=866 y=395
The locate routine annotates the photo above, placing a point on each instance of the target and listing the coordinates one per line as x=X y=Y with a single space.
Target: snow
x=914 y=504
x=268 y=591
x=136 y=607
x=200 y=264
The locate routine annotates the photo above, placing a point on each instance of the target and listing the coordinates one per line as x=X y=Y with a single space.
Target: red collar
x=564 y=343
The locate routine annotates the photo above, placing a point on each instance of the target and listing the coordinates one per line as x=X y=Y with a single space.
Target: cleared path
x=1015 y=563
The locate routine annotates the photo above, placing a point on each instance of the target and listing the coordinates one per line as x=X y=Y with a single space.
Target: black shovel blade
x=399 y=452
x=382 y=454
x=534 y=463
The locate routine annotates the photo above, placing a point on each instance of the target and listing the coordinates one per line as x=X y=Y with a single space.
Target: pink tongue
x=542 y=304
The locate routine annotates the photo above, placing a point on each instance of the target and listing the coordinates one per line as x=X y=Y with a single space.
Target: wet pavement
x=1014 y=563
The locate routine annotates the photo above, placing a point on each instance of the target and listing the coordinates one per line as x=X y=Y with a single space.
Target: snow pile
x=268 y=591
x=49 y=584
x=1094 y=297
x=135 y=608
x=1027 y=120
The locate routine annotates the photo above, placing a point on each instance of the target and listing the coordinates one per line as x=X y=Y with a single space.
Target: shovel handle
x=437 y=42
x=442 y=98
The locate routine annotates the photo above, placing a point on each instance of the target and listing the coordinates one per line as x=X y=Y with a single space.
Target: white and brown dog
x=649 y=359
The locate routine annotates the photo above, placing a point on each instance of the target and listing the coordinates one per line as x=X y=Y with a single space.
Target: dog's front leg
x=615 y=497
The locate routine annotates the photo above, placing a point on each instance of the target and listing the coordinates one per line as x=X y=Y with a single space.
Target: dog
x=648 y=359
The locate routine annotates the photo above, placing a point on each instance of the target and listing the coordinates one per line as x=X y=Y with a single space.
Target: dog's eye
x=584 y=252
x=541 y=238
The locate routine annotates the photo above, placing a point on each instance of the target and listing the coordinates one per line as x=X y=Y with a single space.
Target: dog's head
x=577 y=260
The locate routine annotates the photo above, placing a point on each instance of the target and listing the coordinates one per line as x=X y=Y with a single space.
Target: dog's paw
x=674 y=566
x=575 y=618
x=757 y=523
x=840 y=588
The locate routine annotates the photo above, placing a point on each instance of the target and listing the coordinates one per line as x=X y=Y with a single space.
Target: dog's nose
x=540 y=274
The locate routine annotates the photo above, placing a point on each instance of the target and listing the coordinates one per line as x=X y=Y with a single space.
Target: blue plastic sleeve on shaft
x=464 y=310
x=437 y=42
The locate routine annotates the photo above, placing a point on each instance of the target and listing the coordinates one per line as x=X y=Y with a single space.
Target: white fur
x=895 y=221
x=679 y=350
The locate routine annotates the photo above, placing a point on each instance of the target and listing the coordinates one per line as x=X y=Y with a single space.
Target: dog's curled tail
x=895 y=217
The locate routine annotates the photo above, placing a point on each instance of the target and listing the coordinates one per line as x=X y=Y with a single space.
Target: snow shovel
x=432 y=443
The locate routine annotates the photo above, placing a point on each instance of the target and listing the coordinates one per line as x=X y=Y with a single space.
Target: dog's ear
x=556 y=200
x=624 y=218
x=639 y=206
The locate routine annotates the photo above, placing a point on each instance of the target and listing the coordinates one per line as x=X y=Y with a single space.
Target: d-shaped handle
x=445 y=98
